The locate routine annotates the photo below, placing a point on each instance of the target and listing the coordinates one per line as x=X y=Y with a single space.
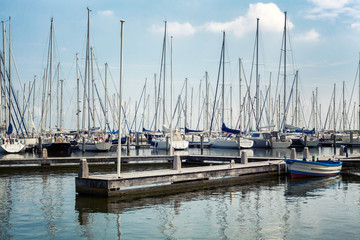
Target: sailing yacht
x=11 y=145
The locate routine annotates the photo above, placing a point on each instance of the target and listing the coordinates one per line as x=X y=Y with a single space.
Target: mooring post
x=202 y=144
x=351 y=136
x=40 y=145
x=177 y=163
x=167 y=143
x=128 y=145
x=83 y=144
x=305 y=140
x=306 y=153
x=342 y=152
x=83 y=169
x=334 y=144
x=232 y=163
x=137 y=140
x=244 y=157
x=45 y=153
x=238 y=141
x=279 y=168
x=293 y=153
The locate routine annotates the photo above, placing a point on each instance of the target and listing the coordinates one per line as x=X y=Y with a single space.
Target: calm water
x=44 y=205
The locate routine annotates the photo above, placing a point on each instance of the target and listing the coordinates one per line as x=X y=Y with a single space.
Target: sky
x=323 y=45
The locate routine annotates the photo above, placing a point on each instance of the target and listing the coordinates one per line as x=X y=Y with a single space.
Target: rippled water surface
x=42 y=204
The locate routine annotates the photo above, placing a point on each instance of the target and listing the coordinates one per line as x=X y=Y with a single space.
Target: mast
x=285 y=69
x=50 y=73
x=296 y=98
x=359 y=94
x=9 y=71
x=223 y=82
x=257 y=77
x=120 y=98
x=186 y=97
x=86 y=72
x=5 y=75
x=240 y=115
x=164 y=58
x=334 y=108
x=92 y=87
x=77 y=94
x=171 y=99
x=33 y=107
x=207 y=101
x=106 y=101
x=61 y=103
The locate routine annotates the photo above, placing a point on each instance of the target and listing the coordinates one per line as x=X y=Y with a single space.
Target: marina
x=137 y=120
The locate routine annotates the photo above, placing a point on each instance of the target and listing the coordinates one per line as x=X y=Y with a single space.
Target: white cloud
x=310 y=36
x=175 y=29
x=334 y=9
x=105 y=13
x=271 y=20
x=330 y=4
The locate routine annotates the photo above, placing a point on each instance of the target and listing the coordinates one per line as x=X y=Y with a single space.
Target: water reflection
x=304 y=187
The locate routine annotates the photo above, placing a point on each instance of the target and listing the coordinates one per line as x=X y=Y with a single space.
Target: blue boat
x=319 y=168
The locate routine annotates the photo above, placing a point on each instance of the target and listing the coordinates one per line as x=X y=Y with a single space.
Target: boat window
x=256 y=134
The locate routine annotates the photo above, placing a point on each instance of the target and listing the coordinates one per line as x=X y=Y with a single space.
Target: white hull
x=12 y=146
x=230 y=143
x=280 y=144
x=100 y=146
x=160 y=143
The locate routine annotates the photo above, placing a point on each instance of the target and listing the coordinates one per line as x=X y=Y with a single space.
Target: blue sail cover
x=192 y=131
x=306 y=131
x=10 y=129
x=229 y=130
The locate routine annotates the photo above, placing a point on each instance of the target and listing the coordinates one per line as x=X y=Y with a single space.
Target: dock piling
x=306 y=153
x=244 y=157
x=177 y=163
x=83 y=169
x=293 y=153
x=128 y=145
x=202 y=144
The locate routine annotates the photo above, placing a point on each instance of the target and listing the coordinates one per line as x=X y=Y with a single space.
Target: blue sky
x=324 y=39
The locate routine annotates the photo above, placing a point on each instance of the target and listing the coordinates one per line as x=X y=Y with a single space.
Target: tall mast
x=257 y=77
x=296 y=98
x=285 y=69
x=33 y=106
x=85 y=97
x=171 y=99
x=186 y=97
x=50 y=73
x=77 y=94
x=240 y=115
x=164 y=58
x=5 y=75
x=120 y=98
x=334 y=108
x=207 y=100
x=359 y=94
x=61 y=103
x=223 y=82
x=92 y=87
x=9 y=70
x=106 y=101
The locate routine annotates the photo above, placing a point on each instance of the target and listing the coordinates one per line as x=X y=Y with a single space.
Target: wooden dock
x=157 y=182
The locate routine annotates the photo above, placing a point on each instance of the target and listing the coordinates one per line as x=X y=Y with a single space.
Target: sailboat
x=229 y=141
x=10 y=144
x=93 y=141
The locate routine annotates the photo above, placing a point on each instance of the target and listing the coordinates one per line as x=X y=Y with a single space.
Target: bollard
x=83 y=169
x=83 y=145
x=177 y=163
x=244 y=157
x=293 y=153
x=128 y=145
x=137 y=140
x=45 y=153
x=40 y=145
x=167 y=143
x=306 y=153
x=342 y=152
